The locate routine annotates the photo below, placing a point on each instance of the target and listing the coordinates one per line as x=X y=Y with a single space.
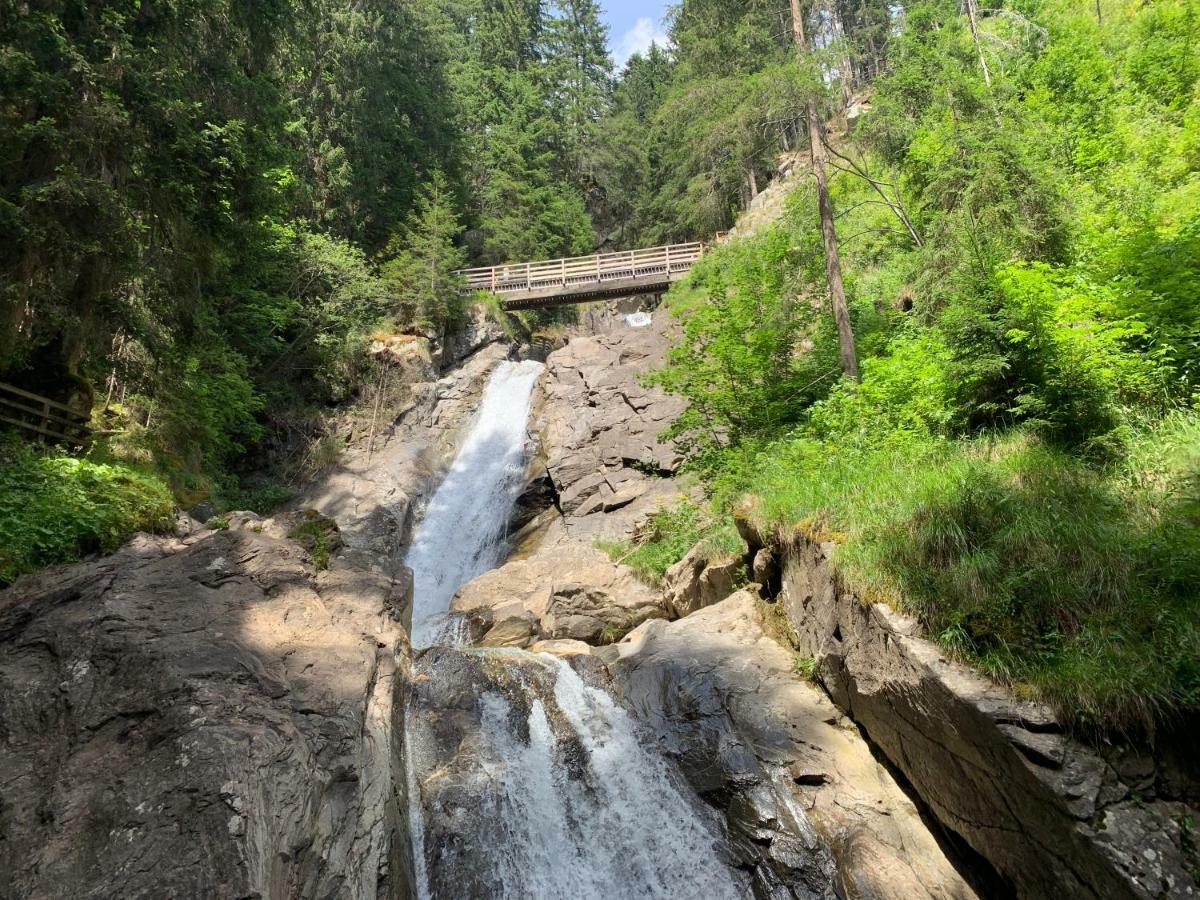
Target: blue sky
x=632 y=25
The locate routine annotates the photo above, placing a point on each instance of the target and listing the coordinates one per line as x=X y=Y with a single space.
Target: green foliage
x=666 y=537
x=1069 y=583
x=55 y=509
x=805 y=667
x=319 y=536
x=420 y=276
x=1018 y=466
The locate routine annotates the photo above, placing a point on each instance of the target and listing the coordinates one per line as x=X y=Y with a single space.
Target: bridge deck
x=554 y=282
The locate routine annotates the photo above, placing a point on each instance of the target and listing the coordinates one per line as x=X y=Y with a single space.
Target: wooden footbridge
x=578 y=279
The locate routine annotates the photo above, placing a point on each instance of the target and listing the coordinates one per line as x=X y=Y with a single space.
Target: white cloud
x=638 y=40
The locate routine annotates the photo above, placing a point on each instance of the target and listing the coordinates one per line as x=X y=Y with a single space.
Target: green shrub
x=666 y=537
x=56 y=509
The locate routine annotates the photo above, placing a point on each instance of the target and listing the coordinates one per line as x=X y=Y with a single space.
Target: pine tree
x=421 y=273
x=578 y=71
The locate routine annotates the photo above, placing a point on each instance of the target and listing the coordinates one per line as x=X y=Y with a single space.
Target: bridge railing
x=577 y=271
x=42 y=417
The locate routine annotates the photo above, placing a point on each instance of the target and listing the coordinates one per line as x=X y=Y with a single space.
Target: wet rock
x=511 y=631
x=200 y=718
x=811 y=811
x=1051 y=816
x=535 y=783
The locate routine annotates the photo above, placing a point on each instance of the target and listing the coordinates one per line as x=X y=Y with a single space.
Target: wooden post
x=493 y=279
x=562 y=272
x=668 y=259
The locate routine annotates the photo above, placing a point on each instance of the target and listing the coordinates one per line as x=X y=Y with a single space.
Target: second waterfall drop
x=462 y=534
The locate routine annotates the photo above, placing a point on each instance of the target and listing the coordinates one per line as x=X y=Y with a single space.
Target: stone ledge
x=1050 y=814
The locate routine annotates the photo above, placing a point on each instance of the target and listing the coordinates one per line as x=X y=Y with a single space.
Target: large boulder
x=590 y=614
x=811 y=812
x=570 y=590
x=209 y=717
x=697 y=581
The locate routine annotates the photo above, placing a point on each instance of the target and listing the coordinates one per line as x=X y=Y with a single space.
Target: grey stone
x=201 y=718
x=996 y=771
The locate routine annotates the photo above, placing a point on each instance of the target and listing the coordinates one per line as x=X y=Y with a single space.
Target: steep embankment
x=202 y=717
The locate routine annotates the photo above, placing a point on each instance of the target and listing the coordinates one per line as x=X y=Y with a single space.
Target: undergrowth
x=1071 y=583
x=56 y=509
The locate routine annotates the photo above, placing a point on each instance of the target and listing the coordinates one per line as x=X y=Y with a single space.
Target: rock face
x=563 y=591
x=375 y=488
x=599 y=426
x=1054 y=818
x=811 y=812
x=207 y=717
x=696 y=581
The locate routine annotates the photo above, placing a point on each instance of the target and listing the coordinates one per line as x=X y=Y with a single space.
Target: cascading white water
x=544 y=791
x=613 y=824
x=553 y=796
x=462 y=534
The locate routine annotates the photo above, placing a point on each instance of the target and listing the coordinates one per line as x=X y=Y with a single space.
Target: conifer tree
x=421 y=273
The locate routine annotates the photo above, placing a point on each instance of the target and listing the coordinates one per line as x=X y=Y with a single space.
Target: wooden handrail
x=42 y=416
x=577 y=271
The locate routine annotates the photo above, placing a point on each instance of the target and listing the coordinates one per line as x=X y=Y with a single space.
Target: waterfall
x=549 y=792
x=462 y=533
x=525 y=781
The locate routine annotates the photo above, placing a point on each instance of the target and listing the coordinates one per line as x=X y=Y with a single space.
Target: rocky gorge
x=219 y=714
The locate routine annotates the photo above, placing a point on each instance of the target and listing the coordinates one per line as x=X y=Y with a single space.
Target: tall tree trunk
x=847 y=64
x=973 y=19
x=833 y=263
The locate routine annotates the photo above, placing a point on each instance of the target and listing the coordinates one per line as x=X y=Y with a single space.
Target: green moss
x=319 y=535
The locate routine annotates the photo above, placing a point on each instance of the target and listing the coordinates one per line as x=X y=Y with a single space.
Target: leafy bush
x=56 y=509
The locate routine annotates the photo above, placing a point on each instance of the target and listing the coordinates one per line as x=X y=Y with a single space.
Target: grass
x=318 y=535
x=1072 y=584
x=666 y=537
x=57 y=509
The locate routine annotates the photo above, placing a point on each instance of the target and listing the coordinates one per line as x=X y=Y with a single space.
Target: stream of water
x=565 y=801
x=462 y=533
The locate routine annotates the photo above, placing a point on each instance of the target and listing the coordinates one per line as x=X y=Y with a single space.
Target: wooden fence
x=45 y=418
x=583 y=271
